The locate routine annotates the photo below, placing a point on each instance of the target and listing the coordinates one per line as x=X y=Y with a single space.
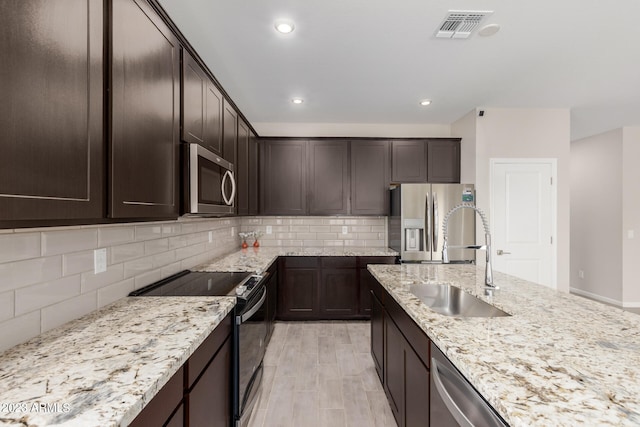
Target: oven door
x=210 y=180
x=251 y=330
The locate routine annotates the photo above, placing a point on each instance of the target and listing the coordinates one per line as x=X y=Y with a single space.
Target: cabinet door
x=201 y=106
x=242 y=169
x=145 y=113
x=254 y=206
x=443 y=160
x=209 y=400
x=365 y=279
x=370 y=174
x=230 y=133
x=416 y=390
x=409 y=161
x=51 y=114
x=394 y=373
x=299 y=294
x=328 y=189
x=283 y=177
x=377 y=335
x=339 y=293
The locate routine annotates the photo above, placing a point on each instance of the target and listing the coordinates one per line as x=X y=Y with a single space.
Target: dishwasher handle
x=457 y=413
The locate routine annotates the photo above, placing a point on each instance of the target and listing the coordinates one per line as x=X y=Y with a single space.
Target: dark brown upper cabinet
x=283 y=177
x=229 y=132
x=242 y=169
x=201 y=106
x=425 y=160
x=51 y=114
x=409 y=161
x=254 y=174
x=145 y=112
x=370 y=175
x=328 y=190
x=443 y=160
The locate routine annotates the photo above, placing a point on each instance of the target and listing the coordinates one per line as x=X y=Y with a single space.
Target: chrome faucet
x=488 y=272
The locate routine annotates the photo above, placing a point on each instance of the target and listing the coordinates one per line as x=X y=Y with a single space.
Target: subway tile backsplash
x=47 y=275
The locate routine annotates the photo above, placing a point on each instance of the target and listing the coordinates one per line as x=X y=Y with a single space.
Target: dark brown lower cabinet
x=298 y=289
x=199 y=394
x=326 y=288
x=377 y=335
x=209 y=400
x=367 y=281
x=405 y=360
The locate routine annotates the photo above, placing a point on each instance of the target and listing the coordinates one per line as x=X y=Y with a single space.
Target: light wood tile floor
x=320 y=374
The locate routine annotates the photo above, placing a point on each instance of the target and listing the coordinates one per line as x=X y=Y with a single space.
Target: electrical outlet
x=211 y=237
x=581 y=274
x=345 y=229
x=269 y=229
x=100 y=260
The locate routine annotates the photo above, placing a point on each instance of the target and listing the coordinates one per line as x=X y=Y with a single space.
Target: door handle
x=501 y=252
x=229 y=200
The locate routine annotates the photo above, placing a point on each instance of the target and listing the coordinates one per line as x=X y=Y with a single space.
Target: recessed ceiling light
x=489 y=30
x=297 y=100
x=425 y=102
x=284 y=27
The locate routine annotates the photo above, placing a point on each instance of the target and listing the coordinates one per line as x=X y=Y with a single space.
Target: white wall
x=631 y=216
x=522 y=133
x=596 y=216
x=465 y=128
x=374 y=130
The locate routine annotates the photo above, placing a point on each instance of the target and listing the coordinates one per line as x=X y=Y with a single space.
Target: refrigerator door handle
x=427 y=225
x=436 y=221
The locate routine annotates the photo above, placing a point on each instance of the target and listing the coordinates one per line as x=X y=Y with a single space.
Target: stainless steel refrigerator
x=417 y=214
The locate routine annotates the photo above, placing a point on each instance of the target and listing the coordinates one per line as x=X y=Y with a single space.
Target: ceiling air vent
x=459 y=24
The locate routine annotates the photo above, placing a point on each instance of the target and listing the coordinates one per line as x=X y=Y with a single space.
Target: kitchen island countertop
x=559 y=360
x=103 y=368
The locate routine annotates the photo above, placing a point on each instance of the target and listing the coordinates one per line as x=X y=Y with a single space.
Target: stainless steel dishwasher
x=454 y=402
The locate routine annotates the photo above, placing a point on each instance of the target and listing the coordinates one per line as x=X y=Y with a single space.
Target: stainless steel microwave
x=209 y=183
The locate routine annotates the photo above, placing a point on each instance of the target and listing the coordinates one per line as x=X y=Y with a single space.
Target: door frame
x=553 y=162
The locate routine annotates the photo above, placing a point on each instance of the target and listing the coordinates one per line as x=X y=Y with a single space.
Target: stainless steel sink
x=452 y=301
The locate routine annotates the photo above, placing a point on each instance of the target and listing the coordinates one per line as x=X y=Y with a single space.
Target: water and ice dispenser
x=413 y=235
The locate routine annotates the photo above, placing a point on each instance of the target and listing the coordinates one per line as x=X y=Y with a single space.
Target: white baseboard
x=631 y=304
x=596 y=297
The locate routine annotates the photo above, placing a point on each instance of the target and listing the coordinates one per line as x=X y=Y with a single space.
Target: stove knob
x=240 y=290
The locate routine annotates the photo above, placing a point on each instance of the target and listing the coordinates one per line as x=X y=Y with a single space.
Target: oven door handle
x=243 y=317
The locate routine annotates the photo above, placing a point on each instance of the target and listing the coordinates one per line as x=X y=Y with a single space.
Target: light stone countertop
x=559 y=360
x=102 y=369
x=257 y=260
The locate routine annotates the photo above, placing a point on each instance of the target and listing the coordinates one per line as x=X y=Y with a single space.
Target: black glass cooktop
x=194 y=283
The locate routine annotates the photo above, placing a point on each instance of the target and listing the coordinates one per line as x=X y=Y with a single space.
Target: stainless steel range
x=249 y=331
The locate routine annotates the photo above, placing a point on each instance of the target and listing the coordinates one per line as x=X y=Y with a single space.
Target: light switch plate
x=269 y=229
x=100 y=260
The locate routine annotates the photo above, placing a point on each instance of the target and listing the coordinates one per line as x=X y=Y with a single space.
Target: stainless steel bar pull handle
x=501 y=252
x=436 y=221
x=427 y=224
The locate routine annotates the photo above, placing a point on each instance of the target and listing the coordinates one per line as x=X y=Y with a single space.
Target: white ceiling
x=371 y=61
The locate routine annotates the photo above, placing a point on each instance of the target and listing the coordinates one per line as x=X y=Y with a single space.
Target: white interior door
x=523 y=206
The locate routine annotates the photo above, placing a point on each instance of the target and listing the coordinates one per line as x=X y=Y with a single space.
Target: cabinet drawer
x=412 y=332
x=378 y=290
x=203 y=354
x=363 y=261
x=338 y=262
x=300 y=262
x=160 y=408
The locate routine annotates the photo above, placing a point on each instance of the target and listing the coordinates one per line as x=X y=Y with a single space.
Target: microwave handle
x=228 y=200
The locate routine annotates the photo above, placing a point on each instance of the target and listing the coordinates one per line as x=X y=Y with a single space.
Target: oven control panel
x=246 y=288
